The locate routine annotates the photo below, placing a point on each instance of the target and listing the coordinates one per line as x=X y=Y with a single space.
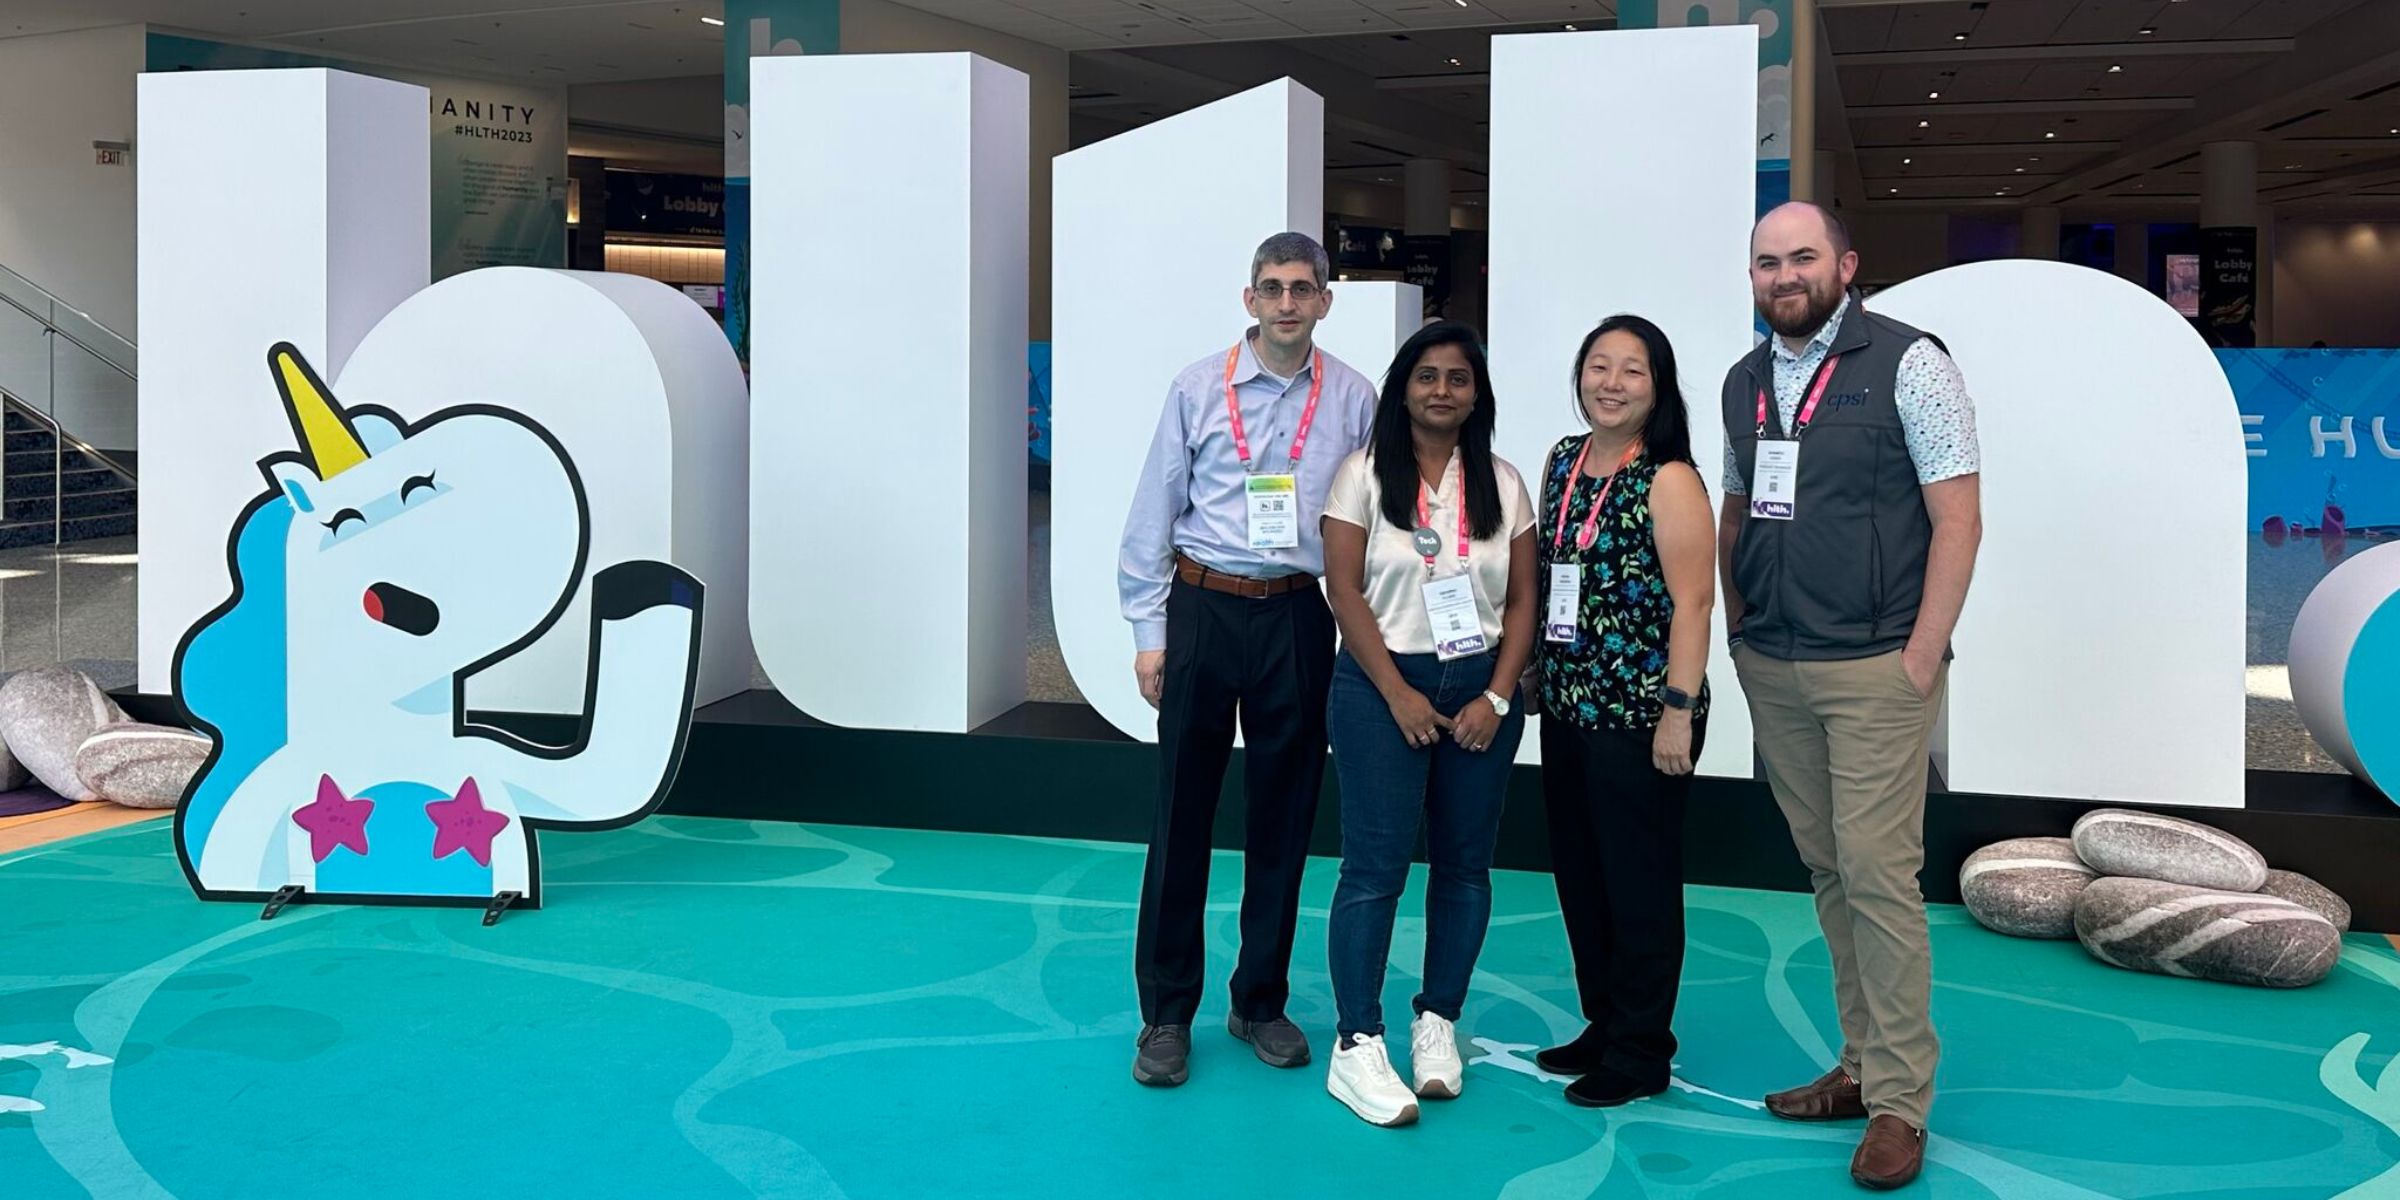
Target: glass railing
x=70 y=417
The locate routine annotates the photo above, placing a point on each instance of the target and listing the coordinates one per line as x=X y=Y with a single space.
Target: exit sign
x=109 y=156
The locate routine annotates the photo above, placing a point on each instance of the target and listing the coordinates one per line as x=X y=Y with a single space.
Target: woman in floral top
x=1628 y=559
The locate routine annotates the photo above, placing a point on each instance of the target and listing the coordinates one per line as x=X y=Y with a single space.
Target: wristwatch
x=1674 y=697
x=1499 y=703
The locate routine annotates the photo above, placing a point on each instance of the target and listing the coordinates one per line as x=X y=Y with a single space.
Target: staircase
x=50 y=493
x=67 y=389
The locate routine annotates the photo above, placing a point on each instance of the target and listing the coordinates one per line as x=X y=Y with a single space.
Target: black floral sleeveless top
x=1610 y=677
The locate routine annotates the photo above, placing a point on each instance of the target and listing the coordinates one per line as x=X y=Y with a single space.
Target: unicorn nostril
x=404 y=610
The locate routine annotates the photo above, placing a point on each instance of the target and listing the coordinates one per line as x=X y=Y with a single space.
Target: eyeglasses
x=1273 y=290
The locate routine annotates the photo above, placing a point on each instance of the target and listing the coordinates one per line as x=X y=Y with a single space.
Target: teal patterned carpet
x=718 y=1008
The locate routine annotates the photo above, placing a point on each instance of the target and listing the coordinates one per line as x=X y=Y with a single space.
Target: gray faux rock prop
x=2114 y=841
x=46 y=715
x=2309 y=894
x=2231 y=937
x=141 y=766
x=2025 y=887
x=13 y=774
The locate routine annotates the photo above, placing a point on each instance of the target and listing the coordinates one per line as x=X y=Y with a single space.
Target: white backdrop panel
x=244 y=238
x=641 y=388
x=1370 y=318
x=2101 y=651
x=1212 y=183
x=888 y=455
x=1623 y=180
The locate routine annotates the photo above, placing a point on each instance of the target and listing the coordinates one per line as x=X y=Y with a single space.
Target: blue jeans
x=1388 y=786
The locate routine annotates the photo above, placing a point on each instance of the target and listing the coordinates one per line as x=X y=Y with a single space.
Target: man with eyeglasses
x=1218 y=576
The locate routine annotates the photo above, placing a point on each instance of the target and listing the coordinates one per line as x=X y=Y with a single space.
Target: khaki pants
x=1845 y=745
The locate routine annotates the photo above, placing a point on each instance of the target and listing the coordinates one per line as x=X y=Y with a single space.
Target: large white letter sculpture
x=1596 y=211
x=317 y=237
x=888 y=431
x=2346 y=666
x=2099 y=658
x=307 y=236
x=1213 y=183
x=2100 y=654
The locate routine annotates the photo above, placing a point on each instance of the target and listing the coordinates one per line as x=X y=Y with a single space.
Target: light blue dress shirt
x=1191 y=495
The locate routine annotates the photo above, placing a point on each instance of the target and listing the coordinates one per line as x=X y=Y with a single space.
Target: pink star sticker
x=465 y=824
x=334 y=820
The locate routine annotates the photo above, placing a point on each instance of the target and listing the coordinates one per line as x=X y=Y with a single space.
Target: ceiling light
x=1924 y=124
x=712 y=20
x=2001 y=192
x=2114 y=69
x=2050 y=135
x=2020 y=170
x=1570 y=29
x=2396 y=131
x=1460 y=3
x=1454 y=62
x=1895 y=191
x=1933 y=95
x=1958 y=37
x=2147 y=31
x=1904 y=162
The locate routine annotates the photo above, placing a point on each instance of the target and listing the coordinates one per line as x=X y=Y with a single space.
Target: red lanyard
x=1308 y=415
x=1425 y=521
x=1591 y=520
x=1808 y=413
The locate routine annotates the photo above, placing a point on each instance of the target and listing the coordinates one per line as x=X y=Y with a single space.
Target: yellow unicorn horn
x=320 y=424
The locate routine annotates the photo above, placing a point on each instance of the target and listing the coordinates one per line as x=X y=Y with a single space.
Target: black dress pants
x=1266 y=663
x=1616 y=853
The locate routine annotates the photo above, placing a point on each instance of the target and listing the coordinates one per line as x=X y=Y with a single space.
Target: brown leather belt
x=1239 y=585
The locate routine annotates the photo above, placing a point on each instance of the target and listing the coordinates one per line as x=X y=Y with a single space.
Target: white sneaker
x=1362 y=1077
x=1433 y=1055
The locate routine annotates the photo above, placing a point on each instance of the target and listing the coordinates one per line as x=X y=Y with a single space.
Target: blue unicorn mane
x=232 y=675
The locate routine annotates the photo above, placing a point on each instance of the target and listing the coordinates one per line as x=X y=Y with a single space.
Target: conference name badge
x=1274 y=511
x=1566 y=598
x=1457 y=626
x=1774 y=486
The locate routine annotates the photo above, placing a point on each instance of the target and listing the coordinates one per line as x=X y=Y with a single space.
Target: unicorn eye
x=346 y=515
x=415 y=482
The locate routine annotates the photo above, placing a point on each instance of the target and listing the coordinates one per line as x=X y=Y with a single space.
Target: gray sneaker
x=1278 y=1043
x=1162 y=1057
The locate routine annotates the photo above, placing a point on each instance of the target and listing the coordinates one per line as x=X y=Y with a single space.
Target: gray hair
x=1291 y=248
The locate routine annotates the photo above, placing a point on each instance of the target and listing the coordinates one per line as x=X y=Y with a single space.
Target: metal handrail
x=51 y=322
x=66 y=441
x=50 y=328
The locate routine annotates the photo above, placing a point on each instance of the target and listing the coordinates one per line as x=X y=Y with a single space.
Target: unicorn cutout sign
x=386 y=564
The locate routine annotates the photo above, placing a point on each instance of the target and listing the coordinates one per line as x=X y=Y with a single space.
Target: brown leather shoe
x=1835 y=1097
x=1890 y=1155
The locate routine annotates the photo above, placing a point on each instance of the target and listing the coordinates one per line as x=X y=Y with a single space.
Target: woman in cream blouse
x=1429 y=567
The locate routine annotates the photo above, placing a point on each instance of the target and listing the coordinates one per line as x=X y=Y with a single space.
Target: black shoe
x=1162 y=1058
x=1578 y=1057
x=1278 y=1043
x=1607 y=1088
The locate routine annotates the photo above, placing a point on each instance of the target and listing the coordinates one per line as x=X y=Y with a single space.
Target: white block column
x=275 y=206
x=1574 y=239
x=888 y=317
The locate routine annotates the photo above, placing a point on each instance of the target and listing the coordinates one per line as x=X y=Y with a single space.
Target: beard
x=1819 y=309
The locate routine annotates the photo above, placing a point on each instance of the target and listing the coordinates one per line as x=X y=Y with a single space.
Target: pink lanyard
x=1591 y=520
x=1308 y=415
x=1425 y=521
x=1808 y=413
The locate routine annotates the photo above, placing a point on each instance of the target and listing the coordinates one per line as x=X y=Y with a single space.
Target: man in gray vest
x=1852 y=513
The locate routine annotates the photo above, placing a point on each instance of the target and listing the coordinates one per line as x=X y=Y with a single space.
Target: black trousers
x=1616 y=854
x=1267 y=663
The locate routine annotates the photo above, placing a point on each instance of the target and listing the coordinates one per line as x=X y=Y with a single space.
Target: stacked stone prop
x=60 y=727
x=2160 y=894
